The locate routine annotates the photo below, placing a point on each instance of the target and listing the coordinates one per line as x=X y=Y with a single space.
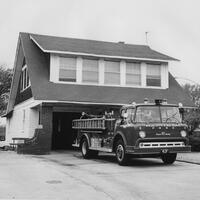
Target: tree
x=194 y=92
x=192 y=116
x=5 y=84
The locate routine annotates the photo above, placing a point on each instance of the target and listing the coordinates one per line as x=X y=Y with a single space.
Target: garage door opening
x=63 y=134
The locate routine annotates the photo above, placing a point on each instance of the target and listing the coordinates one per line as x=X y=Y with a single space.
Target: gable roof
x=37 y=63
x=52 y=44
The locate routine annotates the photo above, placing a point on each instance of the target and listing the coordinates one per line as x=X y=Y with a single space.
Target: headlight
x=142 y=134
x=183 y=133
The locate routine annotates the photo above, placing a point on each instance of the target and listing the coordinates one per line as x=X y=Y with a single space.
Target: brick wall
x=46 y=119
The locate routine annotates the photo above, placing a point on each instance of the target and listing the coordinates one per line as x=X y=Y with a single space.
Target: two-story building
x=56 y=79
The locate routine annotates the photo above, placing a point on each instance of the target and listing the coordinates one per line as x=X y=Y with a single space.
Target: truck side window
x=122 y=112
x=131 y=115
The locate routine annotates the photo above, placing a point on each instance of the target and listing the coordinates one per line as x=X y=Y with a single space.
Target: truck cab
x=142 y=130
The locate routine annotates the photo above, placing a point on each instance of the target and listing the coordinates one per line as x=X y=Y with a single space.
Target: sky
x=173 y=26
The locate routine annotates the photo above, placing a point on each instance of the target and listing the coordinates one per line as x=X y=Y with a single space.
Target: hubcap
x=120 y=152
x=84 y=148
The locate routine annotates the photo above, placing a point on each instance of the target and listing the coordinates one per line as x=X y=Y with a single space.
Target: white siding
x=23 y=122
x=101 y=71
x=123 y=73
x=164 y=76
x=34 y=120
x=54 y=68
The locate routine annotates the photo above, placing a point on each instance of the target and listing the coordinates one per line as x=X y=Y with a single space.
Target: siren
x=164 y=101
x=180 y=105
x=133 y=103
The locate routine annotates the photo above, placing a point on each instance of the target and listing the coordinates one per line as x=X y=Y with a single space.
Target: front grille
x=161 y=144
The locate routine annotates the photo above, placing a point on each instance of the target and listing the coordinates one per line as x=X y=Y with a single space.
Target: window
x=148 y=114
x=122 y=112
x=133 y=74
x=67 y=69
x=131 y=115
x=153 y=75
x=112 y=73
x=24 y=79
x=170 y=114
x=90 y=71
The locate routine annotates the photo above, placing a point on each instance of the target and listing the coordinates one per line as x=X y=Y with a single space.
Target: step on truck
x=141 y=130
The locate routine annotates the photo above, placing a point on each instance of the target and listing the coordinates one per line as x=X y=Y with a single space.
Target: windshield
x=170 y=114
x=157 y=114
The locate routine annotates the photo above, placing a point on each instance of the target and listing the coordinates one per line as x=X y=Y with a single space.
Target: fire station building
x=56 y=79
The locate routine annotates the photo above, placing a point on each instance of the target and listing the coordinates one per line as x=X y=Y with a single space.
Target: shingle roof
x=60 y=44
x=42 y=89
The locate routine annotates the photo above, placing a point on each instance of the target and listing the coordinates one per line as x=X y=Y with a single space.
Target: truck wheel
x=122 y=157
x=168 y=158
x=86 y=152
x=85 y=149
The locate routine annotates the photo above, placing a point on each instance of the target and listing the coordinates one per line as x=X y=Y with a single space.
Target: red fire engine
x=142 y=130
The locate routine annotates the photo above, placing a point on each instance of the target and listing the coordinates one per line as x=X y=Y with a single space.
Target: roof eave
x=99 y=55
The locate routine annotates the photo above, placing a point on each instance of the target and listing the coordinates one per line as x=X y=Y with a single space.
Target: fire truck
x=141 y=130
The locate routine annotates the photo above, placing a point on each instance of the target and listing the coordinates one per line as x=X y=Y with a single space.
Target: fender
x=123 y=137
x=87 y=137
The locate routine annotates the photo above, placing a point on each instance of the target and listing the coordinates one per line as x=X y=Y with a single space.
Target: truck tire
x=86 y=152
x=168 y=158
x=85 y=148
x=120 y=152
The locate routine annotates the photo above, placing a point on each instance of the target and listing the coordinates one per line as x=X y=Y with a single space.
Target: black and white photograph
x=100 y=99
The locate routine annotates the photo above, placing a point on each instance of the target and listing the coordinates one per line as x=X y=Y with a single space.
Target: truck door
x=130 y=126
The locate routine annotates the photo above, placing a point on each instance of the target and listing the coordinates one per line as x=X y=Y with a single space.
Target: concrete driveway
x=65 y=175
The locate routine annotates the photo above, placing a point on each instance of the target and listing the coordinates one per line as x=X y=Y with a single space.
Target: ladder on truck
x=94 y=123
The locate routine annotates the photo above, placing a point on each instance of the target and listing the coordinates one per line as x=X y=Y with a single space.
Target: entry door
x=63 y=134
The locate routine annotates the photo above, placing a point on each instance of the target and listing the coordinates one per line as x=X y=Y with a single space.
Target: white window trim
x=79 y=69
x=29 y=83
x=144 y=75
x=101 y=71
x=54 y=74
x=54 y=68
x=164 y=76
x=123 y=73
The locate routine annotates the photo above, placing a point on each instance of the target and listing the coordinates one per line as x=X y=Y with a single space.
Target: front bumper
x=134 y=150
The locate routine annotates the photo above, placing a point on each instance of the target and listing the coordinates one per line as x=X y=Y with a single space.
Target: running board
x=75 y=145
x=102 y=149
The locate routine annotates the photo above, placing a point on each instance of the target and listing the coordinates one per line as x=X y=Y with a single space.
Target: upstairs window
x=107 y=72
x=133 y=74
x=24 y=79
x=90 y=71
x=67 y=69
x=153 y=75
x=112 y=73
